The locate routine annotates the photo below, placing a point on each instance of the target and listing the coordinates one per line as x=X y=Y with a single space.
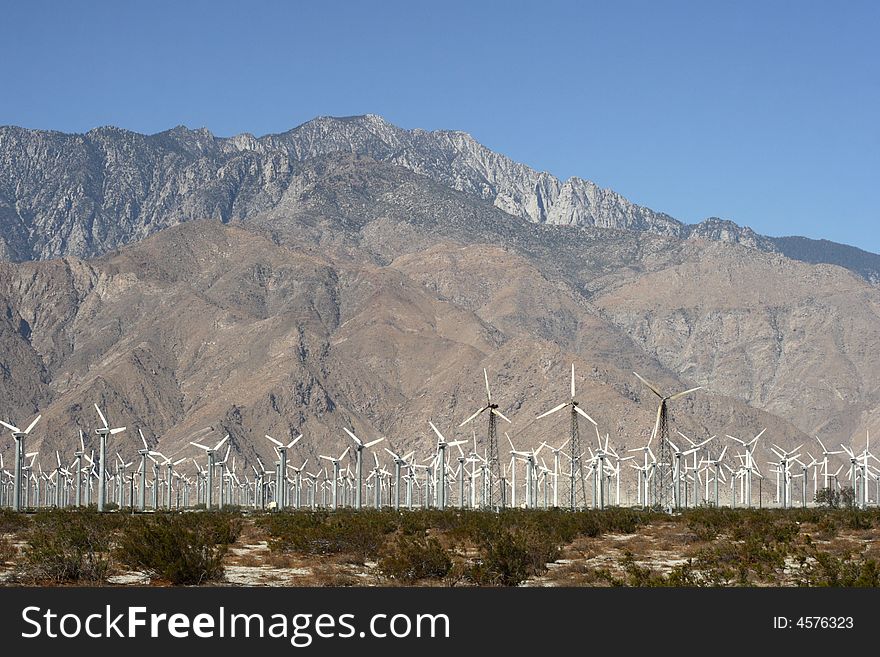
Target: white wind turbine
x=785 y=457
x=281 y=448
x=209 y=478
x=19 y=436
x=719 y=473
x=399 y=462
x=531 y=459
x=359 y=448
x=77 y=466
x=335 y=462
x=645 y=471
x=297 y=483
x=750 y=465
x=103 y=432
x=142 y=489
x=825 y=454
x=556 y=451
x=492 y=461
x=853 y=468
x=169 y=473
x=661 y=484
x=696 y=466
x=577 y=470
x=442 y=444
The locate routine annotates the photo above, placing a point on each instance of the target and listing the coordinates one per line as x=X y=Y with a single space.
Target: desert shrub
x=828 y=497
x=827 y=526
x=360 y=534
x=67 y=546
x=707 y=522
x=411 y=558
x=12 y=522
x=506 y=561
x=829 y=570
x=174 y=548
x=8 y=551
x=857 y=520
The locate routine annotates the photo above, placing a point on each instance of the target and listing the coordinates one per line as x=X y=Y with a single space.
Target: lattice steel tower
x=662 y=483
x=492 y=460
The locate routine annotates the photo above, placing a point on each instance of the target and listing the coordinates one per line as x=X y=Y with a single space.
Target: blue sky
x=765 y=113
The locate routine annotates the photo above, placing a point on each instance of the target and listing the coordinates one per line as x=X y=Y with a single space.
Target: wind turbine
x=297 y=482
x=662 y=478
x=825 y=454
x=399 y=462
x=335 y=462
x=556 y=451
x=750 y=466
x=575 y=444
x=103 y=432
x=359 y=448
x=281 y=448
x=209 y=483
x=492 y=439
x=19 y=437
x=785 y=457
x=142 y=489
x=442 y=444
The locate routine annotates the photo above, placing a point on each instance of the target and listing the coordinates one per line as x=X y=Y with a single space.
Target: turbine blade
x=220 y=444
x=488 y=393
x=572 y=380
x=10 y=427
x=684 y=392
x=582 y=412
x=374 y=442
x=501 y=415
x=113 y=432
x=33 y=424
x=437 y=431
x=103 y=419
x=294 y=441
x=143 y=440
x=650 y=385
x=353 y=437
x=473 y=416
x=553 y=410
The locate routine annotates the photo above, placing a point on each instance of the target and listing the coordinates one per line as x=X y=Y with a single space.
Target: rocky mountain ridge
x=83 y=195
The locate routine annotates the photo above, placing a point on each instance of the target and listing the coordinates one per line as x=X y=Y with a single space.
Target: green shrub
x=359 y=534
x=8 y=551
x=411 y=558
x=12 y=522
x=175 y=548
x=67 y=546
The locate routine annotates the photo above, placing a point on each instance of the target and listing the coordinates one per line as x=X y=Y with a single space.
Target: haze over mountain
x=352 y=273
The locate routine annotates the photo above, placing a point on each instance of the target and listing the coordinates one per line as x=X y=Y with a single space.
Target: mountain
x=83 y=195
x=371 y=296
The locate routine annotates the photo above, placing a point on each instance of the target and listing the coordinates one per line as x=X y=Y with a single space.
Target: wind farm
x=710 y=486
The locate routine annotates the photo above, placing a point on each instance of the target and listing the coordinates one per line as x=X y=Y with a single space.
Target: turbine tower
x=577 y=467
x=19 y=437
x=281 y=448
x=209 y=479
x=442 y=444
x=494 y=464
x=359 y=448
x=662 y=478
x=103 y=432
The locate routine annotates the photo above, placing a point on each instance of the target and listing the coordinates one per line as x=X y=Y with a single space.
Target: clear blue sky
x=765 y=112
